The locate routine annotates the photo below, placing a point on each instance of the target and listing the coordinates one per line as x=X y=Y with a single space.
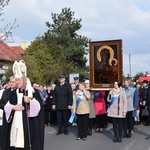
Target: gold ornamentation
x=19 y=69
x=111 y=54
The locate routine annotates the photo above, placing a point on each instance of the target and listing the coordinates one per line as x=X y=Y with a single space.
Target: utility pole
x=130 y=64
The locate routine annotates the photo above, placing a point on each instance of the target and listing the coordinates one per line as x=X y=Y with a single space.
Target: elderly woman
x=117 y=109
x=82 y=109
x=91 y=104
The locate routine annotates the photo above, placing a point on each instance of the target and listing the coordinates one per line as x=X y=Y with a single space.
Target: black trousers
x=149 y=116
x=53 y=117
x=82 y=125
x=101 y=121
x=90 y=123
x=62 y=119
x=117 y=126
x=128 y=122
x=47 y=116
x=148 y=119
x=0 y=136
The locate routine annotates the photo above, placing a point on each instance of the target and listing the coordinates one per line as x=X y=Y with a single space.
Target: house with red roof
x=8 y=54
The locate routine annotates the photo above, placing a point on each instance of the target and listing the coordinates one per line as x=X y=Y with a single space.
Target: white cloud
x=101 y=20
x=139 y=62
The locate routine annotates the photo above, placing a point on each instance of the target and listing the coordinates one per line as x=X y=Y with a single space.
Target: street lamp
x=130 y=64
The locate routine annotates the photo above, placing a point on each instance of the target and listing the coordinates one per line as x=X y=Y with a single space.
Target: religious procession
x=27 y=109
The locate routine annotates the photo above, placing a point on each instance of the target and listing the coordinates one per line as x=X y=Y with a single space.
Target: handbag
x=144 y=112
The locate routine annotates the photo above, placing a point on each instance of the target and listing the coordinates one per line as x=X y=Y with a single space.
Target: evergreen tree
x=64 y=31
x=39 y=62
x=59 y=50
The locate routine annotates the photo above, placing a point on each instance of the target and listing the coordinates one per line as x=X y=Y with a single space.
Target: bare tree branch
x=6 y=31
x=3 y=3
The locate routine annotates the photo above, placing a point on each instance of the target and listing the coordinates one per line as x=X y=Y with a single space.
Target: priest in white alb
x=23 y=121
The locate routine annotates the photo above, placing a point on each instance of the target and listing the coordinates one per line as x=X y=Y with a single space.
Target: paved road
x=98 y=141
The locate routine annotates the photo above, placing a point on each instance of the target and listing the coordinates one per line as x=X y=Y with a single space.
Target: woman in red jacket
x=100 y=110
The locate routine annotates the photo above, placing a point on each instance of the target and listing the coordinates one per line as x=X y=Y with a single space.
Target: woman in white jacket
x=117 y=109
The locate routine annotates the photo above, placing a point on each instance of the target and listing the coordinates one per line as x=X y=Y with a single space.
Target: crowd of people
x=64 y=104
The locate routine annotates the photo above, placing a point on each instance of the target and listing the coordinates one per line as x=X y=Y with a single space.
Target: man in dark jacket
x=62 y=102
x=4 y=98
x=143 y=101
x=76 y=82
x=148 y=102
x=148 y=106
x=6 y=92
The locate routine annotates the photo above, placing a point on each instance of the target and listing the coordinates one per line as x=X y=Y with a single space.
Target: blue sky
x=128 y=20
